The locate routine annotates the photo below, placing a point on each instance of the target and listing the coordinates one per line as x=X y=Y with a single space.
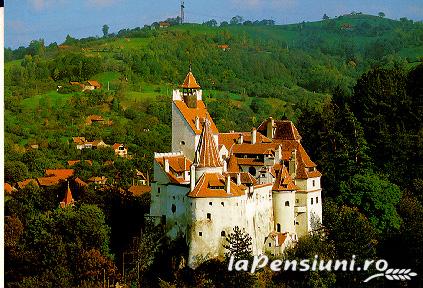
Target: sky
x=52 y=20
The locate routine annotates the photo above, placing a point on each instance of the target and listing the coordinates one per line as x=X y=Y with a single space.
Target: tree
x=325 y=17
x=236 y=20
x=105 y=30
x=376 y=198
x=238 y=244
x=381 y=14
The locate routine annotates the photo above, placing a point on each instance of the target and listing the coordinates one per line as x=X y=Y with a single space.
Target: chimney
x=278 y=154
x=192 y=176
x=197 y=123
x=241 y=139
x=254 y=136
x=228 y=184
x=293 y=163
x=166 y=165
x=238 y=179
x=269 y=127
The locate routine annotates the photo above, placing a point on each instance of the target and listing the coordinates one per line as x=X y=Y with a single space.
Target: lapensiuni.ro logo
x=317 y=264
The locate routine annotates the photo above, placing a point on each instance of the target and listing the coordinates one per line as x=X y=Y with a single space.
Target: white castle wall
x=183 y=137
x=225 y=214
x=284 y=215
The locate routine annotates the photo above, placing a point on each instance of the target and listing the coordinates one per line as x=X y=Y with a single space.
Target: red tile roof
x=258 y=148
x=190 y=82
x=191 y=113
x=233 y=164
x=279 y=237
x=94 y=83
x=177 y=165
x=212 y=185
x=68 y=200
x=80 y=182
x=73 y=162
x=78 y=140
x=250 y=162
x=285 y=130
x=139 y=190
x=229 y=139
x=207 y=154
x=8 y=188
x=284 y=181
x=246 y=178
x=24 y=183
x=60 y=173
x=116 y=146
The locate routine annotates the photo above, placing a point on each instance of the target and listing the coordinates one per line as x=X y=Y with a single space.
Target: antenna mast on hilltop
x=182 y=11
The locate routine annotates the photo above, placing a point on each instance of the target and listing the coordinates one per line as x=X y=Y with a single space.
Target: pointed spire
x=190 y=82
x=207 y=154
x=68 y=200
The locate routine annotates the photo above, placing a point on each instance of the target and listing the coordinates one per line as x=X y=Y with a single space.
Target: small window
x=158 y=190
x=209 y=216
x=223 y=233
x=314 y=183
x=278 y=227
x=311 y=201
x=173 y=197
x=296 y=223
x=223 y=204
x=173 y=208
x=210 y=203
x=287 y=203
x=252 y=171
x=317 y=200
x=297 y=201
x=200 y=234
x=270 y=244
x=163 y=220
x=182 y=142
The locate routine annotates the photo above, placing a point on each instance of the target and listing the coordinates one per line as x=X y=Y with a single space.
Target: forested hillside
x=352 y=85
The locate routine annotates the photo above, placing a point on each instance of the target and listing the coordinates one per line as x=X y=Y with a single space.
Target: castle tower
x=207 y=158
x=283 y=197
x=189 y=90
x=188 y=115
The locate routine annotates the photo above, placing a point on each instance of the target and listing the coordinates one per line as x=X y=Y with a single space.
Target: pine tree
x=239 y=244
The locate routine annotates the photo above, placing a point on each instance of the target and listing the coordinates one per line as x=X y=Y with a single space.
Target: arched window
x=252 y=171
x=278 y=227
x=173 y=208
x=182 y=142
x=286 y=203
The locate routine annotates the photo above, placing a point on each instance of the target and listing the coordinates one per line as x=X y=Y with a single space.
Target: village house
x=164 y=24
x=262 y=181
x=120 y=150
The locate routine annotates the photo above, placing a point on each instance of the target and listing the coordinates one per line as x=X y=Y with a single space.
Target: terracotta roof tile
x=80 y=182
x=191 y=113
x=94 y=83
x=68 y=200
x=207 y=154
x=24 y=183
x=258 y=148
x=284 y=181
x=73 y=162
x=8 y=188
x=233 y=164
x=246 y=178
x=190 y=82
x=229 y=139
x=49 y=181
x=177 y=165
x=279 y=237
x=212 y=185
x=60 y=173
x=250 y=161
x=285 y=130
x=139 y=190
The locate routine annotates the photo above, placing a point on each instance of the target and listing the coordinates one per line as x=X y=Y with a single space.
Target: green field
x=52 y=98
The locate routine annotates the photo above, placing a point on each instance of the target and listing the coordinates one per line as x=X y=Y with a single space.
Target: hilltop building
x=262 y=181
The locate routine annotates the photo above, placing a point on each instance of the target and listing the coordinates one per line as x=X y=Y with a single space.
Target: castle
x=262 y=181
